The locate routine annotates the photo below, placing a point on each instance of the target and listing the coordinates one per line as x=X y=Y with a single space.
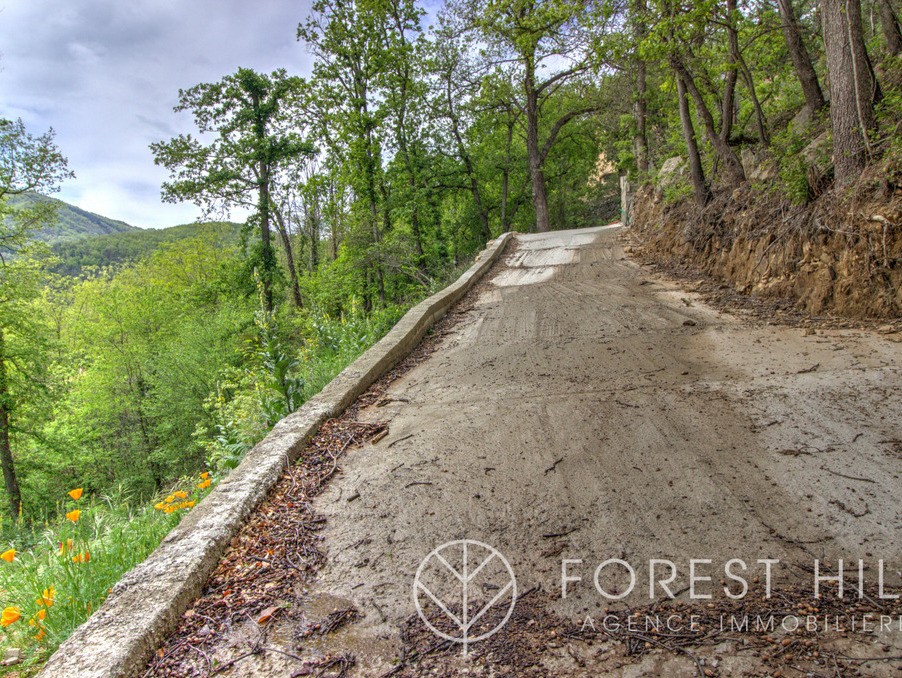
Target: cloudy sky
x=105 y=75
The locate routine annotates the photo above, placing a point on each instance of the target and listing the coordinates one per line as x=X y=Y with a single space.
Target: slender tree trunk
x=729 y=97
x=801 y=60
x=890 y=25
x=760 y=120
x=374 y=208
x=464 y=155
x=731 y=164
x=739 y=64
x=696 y=173
x=289 y=259
x=335 y=221
x=640 y=140
x=506 y=173
x=13 y=494
x=852 y=88
x=536 y=173
x=269 y=259
x=314 y=232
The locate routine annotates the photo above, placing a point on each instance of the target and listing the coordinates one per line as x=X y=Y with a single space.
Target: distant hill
x=122 y=248
x=71 y=222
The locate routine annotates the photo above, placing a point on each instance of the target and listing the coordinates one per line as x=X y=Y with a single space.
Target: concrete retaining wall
x=145 y=606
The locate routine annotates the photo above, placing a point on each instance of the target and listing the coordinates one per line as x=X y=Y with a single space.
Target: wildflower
x=159 y=506
x=181 y=494
x=64 y=547
x=204 y=475
x=73 y=515
x=39 y=635
x=41 y=614
x=8 y=556
x=10 y=615
x=47 y=597
x=189 y=504
x=170 y=499
x=81 y=557
x=204 y=484
x=76 y=493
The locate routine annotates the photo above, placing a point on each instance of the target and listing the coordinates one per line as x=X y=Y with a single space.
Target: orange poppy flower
x=76 y=493
x=181 y=494
x=81 y=557
x=204 y=484
x=65 y=546
x=47 y=597
x=10 y=615
x=204 y=475
x=8 y=556
x=39 y=635
x=73 y=515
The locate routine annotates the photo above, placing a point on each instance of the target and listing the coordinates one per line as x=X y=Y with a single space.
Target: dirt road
x=585 y=409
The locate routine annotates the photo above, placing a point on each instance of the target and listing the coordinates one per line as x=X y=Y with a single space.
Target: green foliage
x=91 y=255
x=793 y=168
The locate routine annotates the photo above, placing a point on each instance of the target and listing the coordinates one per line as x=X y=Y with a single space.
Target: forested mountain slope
x=111 y=249
x=70 y=222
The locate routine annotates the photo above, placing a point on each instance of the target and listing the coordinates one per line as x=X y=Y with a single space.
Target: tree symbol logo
x=465 y=579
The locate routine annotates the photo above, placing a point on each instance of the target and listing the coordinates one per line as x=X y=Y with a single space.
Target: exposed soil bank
x=828 y=258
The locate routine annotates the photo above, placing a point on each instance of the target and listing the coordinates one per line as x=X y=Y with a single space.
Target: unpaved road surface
x=585 y=409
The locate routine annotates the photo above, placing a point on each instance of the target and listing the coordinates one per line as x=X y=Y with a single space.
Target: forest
x=372 y=180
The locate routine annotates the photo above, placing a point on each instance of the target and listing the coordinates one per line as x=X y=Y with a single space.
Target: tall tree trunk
x=728 y=107
x=801 y=60
x=335 y=221
x=536 y=173
x=314 y=232
x=696 y=173
x=506 y=172
x=640 y=139
x=852 y=88
x=731 y=164
x=401 y=136
x=269 y=258
x=374 y=208
x=464 y=155
x=739 y=64
x=890 y=25
x=13 y=494
x=760 y=121
x=289 y=259
x=729 y=96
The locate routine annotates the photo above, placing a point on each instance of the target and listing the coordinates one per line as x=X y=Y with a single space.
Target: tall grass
x=54 y=575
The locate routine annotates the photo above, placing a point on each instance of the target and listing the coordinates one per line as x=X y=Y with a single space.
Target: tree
x=696 y=173
x=638 y=15
x=347 y=40
x=530 y=36
x=852 y=88
x=801 y=60
x=889 y=22
x=255 y=118
x=27 y=164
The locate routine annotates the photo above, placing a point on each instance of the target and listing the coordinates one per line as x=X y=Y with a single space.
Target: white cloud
x=105 y=75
